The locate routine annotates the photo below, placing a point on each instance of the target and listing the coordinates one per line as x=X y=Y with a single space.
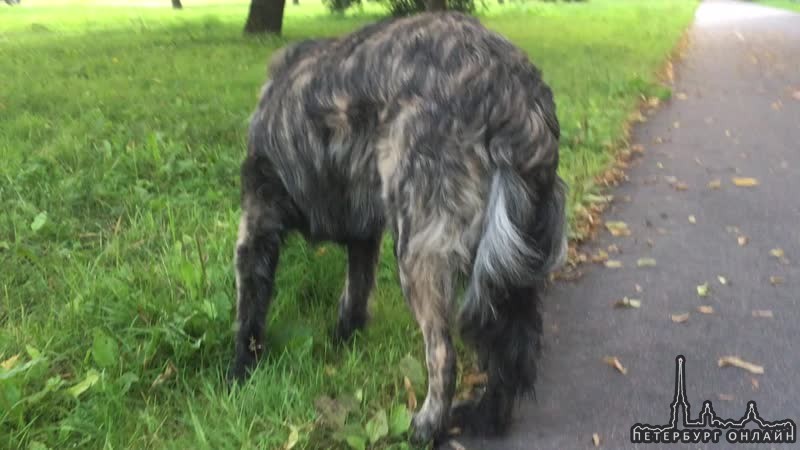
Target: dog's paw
x=346 y=328
x=471 y=417
x=427 y=427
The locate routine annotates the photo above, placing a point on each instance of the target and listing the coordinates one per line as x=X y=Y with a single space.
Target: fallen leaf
x=455 y=445
x=680 y=318
x=628 y=303
x=638 y=288
x=735 y=361
x=659 y=165
x=321 y=251
x=692 y=220
x=726 y=397
x=754 y=383
x=728 y=133
x=773 y=280
x=10 y=362
x=646 y=262
x=670 y=179
x=681 y=96
x=704 y=309
x=412 y=369
x=613 y=249
x=600 y=256
x=702 y=290
x=294 y=436
x=777 y=105
x=411 y=402
x=617 y=228
x=613 y=264
x=614 y=362
x=680 y=186
x=745 y=181
x=722 y=280
x=637 y=148
x=777 y=253
x=715 y=184
x=596 y=439
x=169 y=371
x=763 y=313
x=676 y=124
x=742 y=240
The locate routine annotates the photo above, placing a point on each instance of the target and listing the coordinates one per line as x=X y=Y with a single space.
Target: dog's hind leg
x=362 y=259
x=256 y=258
x=426 y=277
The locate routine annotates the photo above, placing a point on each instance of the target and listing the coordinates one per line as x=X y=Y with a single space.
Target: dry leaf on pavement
x=613 y=264
x=646 y=262
x=705 y=309
x=735 y=361
x=763 y=313
x=596 y=439
x=617 y=228
x=680 y=318
x=745 y=181
x=628 y=303
x=614 y=362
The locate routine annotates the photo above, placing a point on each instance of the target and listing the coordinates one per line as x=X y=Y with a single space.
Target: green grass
x=791 y=5
x=122 y=133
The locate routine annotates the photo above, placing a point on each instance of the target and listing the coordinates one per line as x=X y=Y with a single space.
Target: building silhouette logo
x=708 y=427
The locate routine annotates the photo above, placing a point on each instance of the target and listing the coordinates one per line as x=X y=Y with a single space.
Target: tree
x=176 y=4
x=266 y=16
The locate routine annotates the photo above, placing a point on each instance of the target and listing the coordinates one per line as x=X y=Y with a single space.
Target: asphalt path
x=735 y=112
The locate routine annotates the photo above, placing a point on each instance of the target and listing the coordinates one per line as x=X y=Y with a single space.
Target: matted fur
x=443 y=131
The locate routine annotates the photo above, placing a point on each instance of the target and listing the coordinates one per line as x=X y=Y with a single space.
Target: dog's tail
x=524 y=238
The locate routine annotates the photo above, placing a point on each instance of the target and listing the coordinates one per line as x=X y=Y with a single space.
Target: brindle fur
x=444 y=132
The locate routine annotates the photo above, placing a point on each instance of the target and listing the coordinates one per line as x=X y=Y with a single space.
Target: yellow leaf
x=596 y=439
x=614 y=362
x=10 y=362
x=735 y=361
x=702 y=290
x=777 y=252
x=763 y=313
x=704 y=309
x=294 y=436
x=715 y=184
x=680 y=318
x=628 y=303
x=692 y=220
x=646 y=262
x=613 y=264
x=617 y=228
x=745 y=181
x=773 y=280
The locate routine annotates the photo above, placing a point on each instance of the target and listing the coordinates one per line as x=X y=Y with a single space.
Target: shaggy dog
x=444 y=132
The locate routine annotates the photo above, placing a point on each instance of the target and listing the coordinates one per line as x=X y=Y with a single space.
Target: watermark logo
x=708 y=427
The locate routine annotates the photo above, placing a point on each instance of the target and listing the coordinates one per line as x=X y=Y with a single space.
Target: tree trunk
x=266 y=16
x=176 y=4
x=435 y=5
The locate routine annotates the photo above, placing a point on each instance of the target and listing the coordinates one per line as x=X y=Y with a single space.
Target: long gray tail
x=524 y=238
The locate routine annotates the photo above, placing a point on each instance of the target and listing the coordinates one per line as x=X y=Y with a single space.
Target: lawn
x=791 y=5
x=121 y=133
